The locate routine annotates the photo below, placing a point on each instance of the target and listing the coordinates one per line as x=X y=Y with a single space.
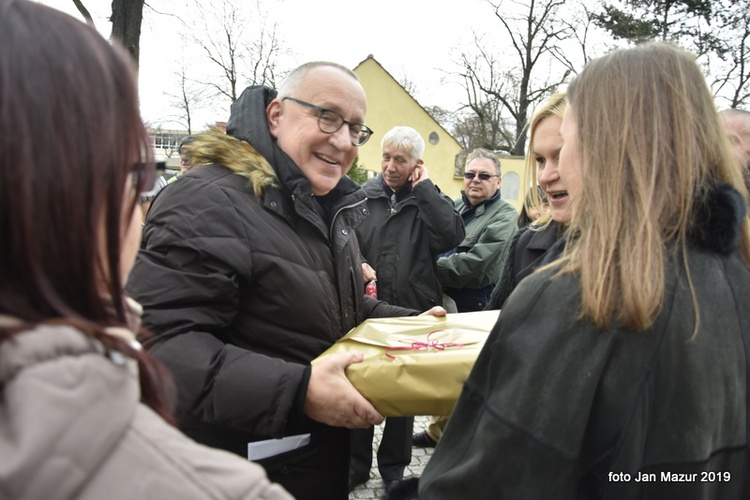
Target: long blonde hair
x=650 y=138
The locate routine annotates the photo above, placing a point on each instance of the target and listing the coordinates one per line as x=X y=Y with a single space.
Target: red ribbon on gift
x=418 y=345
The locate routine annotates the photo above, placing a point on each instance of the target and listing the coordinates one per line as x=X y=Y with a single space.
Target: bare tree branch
x=501 y=94
x=84 y=12
x=240 y=60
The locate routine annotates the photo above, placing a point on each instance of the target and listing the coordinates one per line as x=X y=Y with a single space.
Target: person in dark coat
x=470 y=271
x=250 y=268
x=410 y=223
x=621 y=369
x=531 y=242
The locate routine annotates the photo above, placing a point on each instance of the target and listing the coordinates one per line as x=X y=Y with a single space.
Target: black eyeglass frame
x=482 y=176
x=321 y=111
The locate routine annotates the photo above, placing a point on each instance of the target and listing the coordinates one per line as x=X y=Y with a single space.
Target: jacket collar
x=480 y=207
x=377 y=188
x=543 y=239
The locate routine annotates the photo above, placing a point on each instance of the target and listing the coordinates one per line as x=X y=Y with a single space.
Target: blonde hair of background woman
x=554 y=106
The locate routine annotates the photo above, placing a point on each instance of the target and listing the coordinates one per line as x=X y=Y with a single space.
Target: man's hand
x=419 y=173
x=368 y=272
x=333 y=400
x=437 y=311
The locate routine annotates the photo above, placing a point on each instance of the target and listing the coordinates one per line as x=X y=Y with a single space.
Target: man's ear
x=273 y=115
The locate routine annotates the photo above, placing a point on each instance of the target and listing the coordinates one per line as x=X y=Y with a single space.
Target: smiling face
x=323 y=158
x=476 y=189
x=568 y=184
x=546 y=153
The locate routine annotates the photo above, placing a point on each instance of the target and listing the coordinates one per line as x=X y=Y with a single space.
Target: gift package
x=415 y=365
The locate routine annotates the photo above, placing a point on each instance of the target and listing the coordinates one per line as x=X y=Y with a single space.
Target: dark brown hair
x=71 y=139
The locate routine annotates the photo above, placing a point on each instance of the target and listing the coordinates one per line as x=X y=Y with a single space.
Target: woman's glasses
x=143 y=176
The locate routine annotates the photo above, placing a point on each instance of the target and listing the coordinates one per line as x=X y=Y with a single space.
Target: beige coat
x=72 y=426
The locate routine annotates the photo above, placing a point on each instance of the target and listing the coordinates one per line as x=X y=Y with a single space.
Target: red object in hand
x=371 y=289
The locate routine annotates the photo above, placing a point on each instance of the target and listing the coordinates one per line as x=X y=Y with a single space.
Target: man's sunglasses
x=482 y=177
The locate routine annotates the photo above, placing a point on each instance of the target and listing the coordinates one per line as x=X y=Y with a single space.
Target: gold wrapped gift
x=415 y=365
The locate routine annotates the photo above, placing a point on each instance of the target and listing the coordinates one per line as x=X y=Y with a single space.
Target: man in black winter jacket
x=249 y=269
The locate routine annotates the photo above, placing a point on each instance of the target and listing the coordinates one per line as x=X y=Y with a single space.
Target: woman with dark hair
x=620 y=370
x=74 y=156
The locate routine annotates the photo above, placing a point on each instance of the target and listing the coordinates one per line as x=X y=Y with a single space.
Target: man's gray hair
x=406 y=138
x=291 y=83
x=484 y=153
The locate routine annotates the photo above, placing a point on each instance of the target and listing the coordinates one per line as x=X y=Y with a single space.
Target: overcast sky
x=412 y=39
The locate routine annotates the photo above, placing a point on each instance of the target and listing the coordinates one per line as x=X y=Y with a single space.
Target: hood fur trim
x=238 y=156
x=718 y=218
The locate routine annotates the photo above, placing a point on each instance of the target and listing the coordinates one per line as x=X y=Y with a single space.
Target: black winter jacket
x=527 y=249
x=557 y=408
x=244 y=284
x=402 y=243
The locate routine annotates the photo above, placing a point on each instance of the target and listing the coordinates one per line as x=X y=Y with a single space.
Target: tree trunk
x=127 y=16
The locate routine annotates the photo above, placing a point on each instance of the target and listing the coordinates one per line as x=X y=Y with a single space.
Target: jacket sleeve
x=445 y=227
x=187 y=277
x=480 y=264
x=379 y=309
x=507 y=281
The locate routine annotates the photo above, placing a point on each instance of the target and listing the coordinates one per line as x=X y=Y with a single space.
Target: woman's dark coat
x=558 y=408
x=527 y=250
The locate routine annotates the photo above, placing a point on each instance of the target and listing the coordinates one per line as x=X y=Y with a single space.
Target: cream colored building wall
x=388 y=106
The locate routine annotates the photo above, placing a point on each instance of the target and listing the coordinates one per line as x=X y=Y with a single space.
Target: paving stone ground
x=373 y=488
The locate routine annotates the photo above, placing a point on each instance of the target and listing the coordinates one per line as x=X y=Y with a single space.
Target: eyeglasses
x=330 y=122
x=482 y=177
x=143 y=176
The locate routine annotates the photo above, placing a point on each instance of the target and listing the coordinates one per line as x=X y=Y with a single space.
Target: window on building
x=511 y=184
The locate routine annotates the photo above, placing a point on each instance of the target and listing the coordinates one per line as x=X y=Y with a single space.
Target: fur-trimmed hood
x=718 y=217
x=237 y=155
x=247 y=148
